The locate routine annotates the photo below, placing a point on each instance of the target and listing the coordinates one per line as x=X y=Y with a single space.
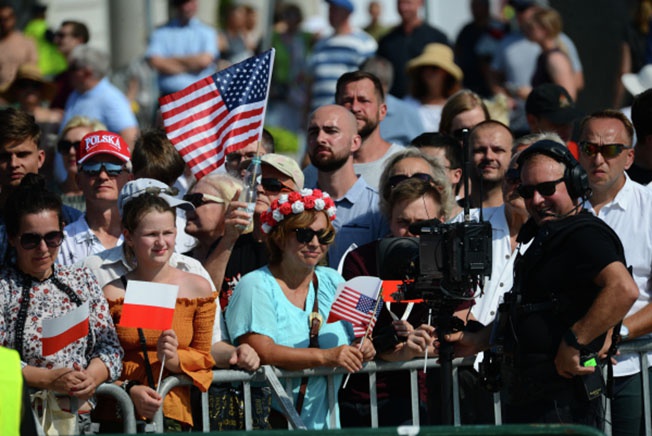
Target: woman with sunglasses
x=68 y=145
x=280 y=309
x=149 y=231
x=400 y=333
x=34 y=289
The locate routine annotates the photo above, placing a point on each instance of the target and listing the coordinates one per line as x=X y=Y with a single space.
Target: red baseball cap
x=103 y=142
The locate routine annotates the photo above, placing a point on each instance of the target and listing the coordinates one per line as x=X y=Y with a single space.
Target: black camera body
x=447 y=261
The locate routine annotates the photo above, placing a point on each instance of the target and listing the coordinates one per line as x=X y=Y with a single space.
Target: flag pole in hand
x=366 y=333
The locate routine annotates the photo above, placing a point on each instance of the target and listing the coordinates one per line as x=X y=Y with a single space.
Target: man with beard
x=490 y=143
x=332 y=139
x=570 y=287
x=362 y=93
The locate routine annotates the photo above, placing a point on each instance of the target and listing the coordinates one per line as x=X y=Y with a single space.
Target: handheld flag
x=219 y=114
x=149 y=305
x=64 y=330
x=355 y=301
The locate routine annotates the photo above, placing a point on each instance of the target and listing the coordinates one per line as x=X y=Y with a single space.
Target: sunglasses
x=64 y=146
x=306 y=234
x=274 y=185
x=199 y=199
x=237 y=157
x=546 y=189
x=29 y=241
x=395 y=180
x=608 y=151
x=94 y=169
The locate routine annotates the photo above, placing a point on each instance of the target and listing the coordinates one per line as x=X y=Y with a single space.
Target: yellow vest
x=11 y=392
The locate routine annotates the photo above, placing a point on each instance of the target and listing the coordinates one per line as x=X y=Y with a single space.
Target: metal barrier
x=271 y=376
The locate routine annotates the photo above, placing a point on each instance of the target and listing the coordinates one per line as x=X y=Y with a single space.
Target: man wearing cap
x=336 y=54
x=332 y=141
x=20 y=154
x=570 y=287
x=605 y=153
x=515 y=60
x=407 y=41
x=549 y=108
x=104 y=165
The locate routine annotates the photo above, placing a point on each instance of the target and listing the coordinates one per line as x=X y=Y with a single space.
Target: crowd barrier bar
x=271 y=376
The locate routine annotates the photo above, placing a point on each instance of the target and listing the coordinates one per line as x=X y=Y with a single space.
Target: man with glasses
x=606 y=153
x=491 y=144
x=570 y=287
x=70 y=35
x=104 y=166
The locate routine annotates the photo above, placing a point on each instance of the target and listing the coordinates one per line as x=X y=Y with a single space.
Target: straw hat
x=437 y=55
x=30 y=73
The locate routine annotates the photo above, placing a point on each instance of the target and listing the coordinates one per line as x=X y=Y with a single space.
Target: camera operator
x=570 y=288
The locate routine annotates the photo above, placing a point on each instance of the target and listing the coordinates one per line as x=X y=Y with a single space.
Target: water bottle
x=249 y=192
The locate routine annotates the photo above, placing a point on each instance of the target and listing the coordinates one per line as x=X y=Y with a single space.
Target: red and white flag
x=149 y=305
x=64 y=330
x=355 y=301
x=219 y=114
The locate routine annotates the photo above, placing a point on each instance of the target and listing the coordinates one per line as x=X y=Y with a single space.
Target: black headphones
x=575 y=178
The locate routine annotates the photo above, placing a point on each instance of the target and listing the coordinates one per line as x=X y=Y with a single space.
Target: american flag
x=218 y=114
x=355 y=302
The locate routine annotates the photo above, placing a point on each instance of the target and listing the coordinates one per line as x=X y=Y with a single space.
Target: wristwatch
x=128 y=384
x=624 y=332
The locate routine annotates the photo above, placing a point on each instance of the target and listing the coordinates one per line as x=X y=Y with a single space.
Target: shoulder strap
x=315 y=320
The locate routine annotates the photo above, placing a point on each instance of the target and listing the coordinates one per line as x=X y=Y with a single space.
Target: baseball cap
x=103 y=142
x=284 y=164
x=138 y=187
x=552 y=102
x=346 y=4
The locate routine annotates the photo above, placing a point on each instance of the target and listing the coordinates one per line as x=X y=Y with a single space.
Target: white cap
x=138 y=187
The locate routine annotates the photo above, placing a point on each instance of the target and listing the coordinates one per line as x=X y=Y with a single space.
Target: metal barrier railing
x=271 y=376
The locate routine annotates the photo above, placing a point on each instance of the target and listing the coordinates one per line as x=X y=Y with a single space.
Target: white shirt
x=109 y=265
x=80 y=242
x=629 y=214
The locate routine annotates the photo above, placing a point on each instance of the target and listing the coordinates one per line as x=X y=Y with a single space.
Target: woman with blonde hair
x=463 y=110
x=553 y=64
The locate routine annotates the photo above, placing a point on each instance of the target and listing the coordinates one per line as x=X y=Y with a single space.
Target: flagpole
x=160 y=375
x=269 y=82
x=366 y=333
x=425 y=357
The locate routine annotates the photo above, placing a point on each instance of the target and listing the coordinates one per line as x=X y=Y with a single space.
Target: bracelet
x=128 y=384
x=570 y=339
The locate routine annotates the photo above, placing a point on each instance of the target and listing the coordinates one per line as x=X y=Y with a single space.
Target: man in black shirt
x=570 y=287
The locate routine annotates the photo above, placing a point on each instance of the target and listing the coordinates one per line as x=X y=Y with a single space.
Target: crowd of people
x=392 y=122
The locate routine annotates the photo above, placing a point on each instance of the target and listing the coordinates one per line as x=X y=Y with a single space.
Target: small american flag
x=355 y=303
x=218 y=114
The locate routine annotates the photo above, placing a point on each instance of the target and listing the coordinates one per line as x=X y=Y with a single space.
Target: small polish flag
x=64 y=330
x=149 y=305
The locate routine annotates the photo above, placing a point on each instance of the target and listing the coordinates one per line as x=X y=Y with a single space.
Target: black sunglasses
x=546 y=189
x=395 y=180
x=199 y=199
x=306 y=234
x=29 y=241
x=608 y=151
x=64 y=146
x=94 y=169
x=274 y=185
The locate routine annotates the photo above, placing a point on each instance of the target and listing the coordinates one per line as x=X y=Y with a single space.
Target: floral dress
x=47 y=299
